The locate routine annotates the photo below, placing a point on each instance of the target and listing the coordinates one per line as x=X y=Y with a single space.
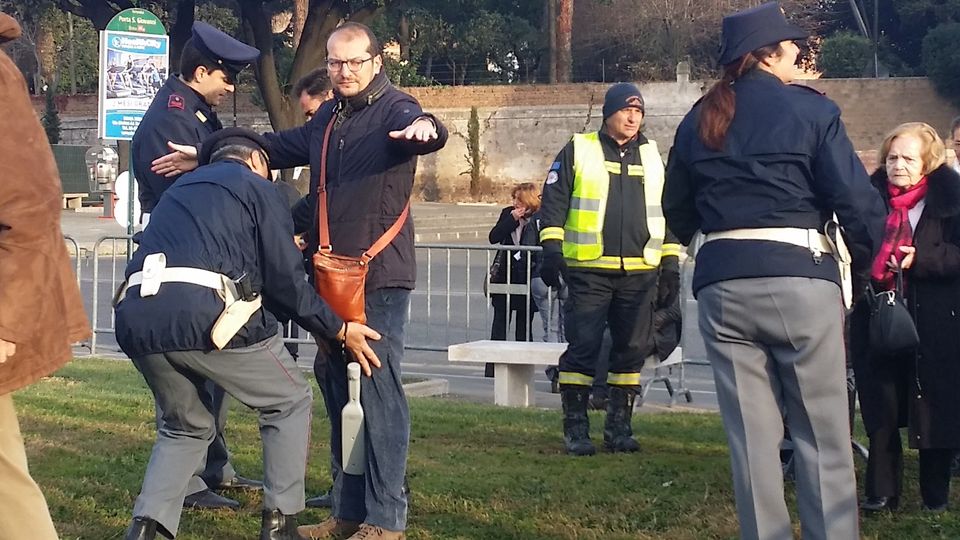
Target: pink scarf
x=897 y=231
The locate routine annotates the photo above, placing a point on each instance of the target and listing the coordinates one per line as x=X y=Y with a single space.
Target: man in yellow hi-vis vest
x=604 y=232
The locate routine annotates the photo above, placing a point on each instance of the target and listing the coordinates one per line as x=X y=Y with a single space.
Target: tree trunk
x=46 y=54
x=564 y=33
x=428 y=67
x=180 y=30
x=404 y=37
x=73 y=56
x=265 y=68
x=551 y=20
x=299 y=18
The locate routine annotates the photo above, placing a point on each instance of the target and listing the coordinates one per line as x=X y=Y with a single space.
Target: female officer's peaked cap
x=750 y=29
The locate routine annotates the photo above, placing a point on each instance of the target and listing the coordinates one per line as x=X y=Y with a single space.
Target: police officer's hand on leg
x=354 y=337
x=668 y=288
x=552 y=265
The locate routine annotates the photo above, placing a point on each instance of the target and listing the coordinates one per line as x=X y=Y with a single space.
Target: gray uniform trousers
x=217 y=467
x=776 y=344
x=263 y=377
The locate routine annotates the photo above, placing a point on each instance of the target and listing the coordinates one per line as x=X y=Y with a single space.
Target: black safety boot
x=576 y=424
x=141 y=528
x=617 y=432
x=278 y=526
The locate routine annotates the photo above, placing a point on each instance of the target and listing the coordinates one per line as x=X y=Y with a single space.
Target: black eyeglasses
x=354 y=64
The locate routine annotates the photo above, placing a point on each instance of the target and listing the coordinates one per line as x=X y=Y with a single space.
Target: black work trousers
x=624 y=303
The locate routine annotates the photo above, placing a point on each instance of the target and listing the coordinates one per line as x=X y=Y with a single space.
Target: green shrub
x=844 y=54
x=941 y=59
x=51 y=118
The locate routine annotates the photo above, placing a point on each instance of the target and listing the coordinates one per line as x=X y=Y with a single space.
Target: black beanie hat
x=620 y=96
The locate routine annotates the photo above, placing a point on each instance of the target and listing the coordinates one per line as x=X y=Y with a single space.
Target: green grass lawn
x=475 y=471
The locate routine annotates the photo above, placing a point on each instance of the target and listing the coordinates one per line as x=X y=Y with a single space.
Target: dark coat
x=41 y=311
x=177 y=114
x=927 y=381
x=786 y=162
x=502 y=233
x=224 y=218
x=369 y=176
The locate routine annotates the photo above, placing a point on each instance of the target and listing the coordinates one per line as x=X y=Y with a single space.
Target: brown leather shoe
x=372 y=532
x=334 y=528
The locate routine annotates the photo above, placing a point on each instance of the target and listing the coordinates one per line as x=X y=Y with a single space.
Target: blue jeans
x=378 y=496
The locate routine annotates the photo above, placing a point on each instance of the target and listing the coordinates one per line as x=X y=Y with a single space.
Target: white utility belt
x=236 y=312
x=811 y=239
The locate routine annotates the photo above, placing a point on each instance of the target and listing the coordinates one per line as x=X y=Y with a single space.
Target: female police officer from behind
x=759 y=166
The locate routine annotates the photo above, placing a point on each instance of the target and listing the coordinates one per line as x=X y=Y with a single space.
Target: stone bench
x=513 y=365
x=73 y=201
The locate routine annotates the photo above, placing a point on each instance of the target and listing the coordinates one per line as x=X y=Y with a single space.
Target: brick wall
x=524 y=126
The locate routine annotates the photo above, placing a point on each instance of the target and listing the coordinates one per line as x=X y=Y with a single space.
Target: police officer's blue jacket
x=178 y=114
x=369 y=176
x=223 y=218
x=786 y=162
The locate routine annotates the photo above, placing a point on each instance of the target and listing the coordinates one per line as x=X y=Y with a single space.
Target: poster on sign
x=134 y=63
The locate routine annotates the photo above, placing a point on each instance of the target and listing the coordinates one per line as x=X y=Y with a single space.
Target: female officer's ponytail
x=719 y=104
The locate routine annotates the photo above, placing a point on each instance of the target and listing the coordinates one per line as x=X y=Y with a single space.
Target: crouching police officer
x=217 y=255
x=182 y=112
x=601 y=219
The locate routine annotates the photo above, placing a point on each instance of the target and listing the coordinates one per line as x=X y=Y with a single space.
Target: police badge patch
x=552 y=177
x=175 y=102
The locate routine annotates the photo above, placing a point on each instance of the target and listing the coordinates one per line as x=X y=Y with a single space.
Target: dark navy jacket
x=787 y=162
x=223 y=218
x=369 y=176
x=178 y=114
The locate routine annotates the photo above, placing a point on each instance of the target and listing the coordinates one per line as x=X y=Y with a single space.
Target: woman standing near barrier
x=916 y=388
x=514 y=228
x=759 y=166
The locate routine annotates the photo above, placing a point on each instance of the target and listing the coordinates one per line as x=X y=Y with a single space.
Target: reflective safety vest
x=582 y=234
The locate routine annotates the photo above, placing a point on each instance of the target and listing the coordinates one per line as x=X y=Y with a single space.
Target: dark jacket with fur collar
x=931 y=376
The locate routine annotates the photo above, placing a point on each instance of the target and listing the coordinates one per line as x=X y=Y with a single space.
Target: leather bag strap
x=322 y=225
x=324 y=231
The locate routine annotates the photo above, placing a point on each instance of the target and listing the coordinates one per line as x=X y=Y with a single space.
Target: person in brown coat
x=41 y=312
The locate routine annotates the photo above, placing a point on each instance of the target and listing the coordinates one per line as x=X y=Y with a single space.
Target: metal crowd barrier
x=116 y=278
x=447 y=307
x=73 y=251
x=75 y=254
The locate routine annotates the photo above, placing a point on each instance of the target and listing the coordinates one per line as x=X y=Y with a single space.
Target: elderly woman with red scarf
x=918 y=388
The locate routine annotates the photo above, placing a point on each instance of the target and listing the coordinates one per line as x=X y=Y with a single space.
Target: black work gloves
x=552 y=266
x=668 y=288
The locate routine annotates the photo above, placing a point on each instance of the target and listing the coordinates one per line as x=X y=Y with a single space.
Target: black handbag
x=497 y=272
x=891 y=329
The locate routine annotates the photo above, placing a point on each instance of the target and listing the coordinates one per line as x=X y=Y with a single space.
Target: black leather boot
x=275 y=525
x=617 y=432
x=576 y=424
x=141 y=528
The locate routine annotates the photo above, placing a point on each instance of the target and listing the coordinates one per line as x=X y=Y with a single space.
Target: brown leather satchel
x=339 y=279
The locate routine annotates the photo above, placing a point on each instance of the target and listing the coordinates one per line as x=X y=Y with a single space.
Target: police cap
x=233 y=55
x=750 y=29
x=230 y=136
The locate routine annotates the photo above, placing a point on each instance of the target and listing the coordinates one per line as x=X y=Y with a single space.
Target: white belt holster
x=236 y=311
x=831 y=243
